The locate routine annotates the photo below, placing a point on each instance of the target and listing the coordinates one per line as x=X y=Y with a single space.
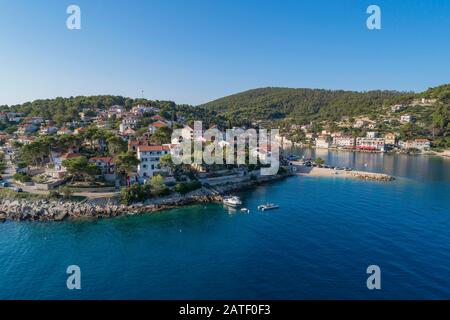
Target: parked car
x=16 y=189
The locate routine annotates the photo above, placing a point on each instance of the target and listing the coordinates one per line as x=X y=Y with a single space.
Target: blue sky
x=193 y=51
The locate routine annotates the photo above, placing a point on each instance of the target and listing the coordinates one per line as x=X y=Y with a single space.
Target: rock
x=61 y=216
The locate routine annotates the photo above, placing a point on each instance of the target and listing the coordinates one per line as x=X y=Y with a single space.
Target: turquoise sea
x=316 y=246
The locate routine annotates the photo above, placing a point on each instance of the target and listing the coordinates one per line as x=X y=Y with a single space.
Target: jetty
x=302 y=170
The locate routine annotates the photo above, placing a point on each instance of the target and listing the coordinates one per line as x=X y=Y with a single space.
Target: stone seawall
x=47 y=210
x=50 y=210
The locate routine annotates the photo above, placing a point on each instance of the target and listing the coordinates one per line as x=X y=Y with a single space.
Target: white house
x=128 y=122
x=45 y=130
x=421 y=144
x=397 y=107
x=344 y=142
x=406 y=118
x=141 y=109
x=149 y=157
x=372 y=134
x=323 y=142
x=370 y=144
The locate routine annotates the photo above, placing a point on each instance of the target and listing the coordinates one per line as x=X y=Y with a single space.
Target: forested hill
x=62 y=110
x=304 y=104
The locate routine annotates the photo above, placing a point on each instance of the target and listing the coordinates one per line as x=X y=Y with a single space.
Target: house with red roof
x=150 y=157
x=106 y=164
x=156 y=125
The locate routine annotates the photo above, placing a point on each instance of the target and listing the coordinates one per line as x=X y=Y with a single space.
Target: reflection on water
x=318 y=244
x=431 y=168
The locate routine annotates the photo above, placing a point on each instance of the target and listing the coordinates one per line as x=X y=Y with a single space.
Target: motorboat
x=268 y=206
x=232 y=201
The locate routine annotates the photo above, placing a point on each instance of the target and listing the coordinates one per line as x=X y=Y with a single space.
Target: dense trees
x=80 y=168
x=441 y=119
x=116 y=145
x=303 y=105
x=126 y=164
x=161 y=136
x=2 y=162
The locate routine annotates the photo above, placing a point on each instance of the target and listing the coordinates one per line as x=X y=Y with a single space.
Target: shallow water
x=317 y=245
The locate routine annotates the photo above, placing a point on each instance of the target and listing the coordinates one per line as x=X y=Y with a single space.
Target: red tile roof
x=153 y=148
x=103 y=159
x=158 y=124
x=158 y=117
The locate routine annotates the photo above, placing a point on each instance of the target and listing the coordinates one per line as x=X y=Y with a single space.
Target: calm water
x=317 y=245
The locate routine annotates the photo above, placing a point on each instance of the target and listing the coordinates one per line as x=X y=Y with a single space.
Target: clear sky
x=193 y=51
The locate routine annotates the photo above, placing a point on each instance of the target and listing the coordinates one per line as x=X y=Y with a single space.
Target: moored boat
x=268 y=206
x=232 y=201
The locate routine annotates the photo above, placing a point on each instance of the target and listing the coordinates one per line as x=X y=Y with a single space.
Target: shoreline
x=326 y=172
x=56 y=211
x=45 y=210
x=443 y=154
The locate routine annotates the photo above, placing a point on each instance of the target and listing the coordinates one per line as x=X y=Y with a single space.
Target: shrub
x=53 y=194
x=22 y=177
x=66 y=191
x=186 y=187
x=134 y=193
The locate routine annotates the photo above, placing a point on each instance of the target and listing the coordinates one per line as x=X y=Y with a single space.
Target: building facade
x=150 y=157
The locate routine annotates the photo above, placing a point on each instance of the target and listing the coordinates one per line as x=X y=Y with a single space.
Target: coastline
x=48 y=210
x=44 y=210
x=445 y=153
x=326 y=172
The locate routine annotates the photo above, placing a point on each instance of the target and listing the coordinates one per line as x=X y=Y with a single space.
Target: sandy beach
x=326 y=172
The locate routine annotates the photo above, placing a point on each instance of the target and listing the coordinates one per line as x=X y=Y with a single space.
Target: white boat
x=232 y=201
x=245 y=210
x=268 y=206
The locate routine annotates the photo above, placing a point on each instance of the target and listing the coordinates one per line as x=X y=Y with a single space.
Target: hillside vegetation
x=303 y=105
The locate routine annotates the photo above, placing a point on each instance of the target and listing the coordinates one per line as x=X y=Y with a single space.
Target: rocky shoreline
x=49 y=210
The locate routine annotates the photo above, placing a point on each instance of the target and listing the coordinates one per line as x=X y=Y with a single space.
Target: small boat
x=293 y=158
x=232 y=201
x=246 y=210
x=268 y=206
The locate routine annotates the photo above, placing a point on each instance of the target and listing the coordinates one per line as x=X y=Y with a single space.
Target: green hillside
x=303 y=105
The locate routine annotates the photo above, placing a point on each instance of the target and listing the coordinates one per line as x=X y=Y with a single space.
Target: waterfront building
x=344 y=142
x=107 y=167
x=149 y=157
x=323 y=142
x=420 y=144
x=390 y=138
x=370 y=144
x=372 y=134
